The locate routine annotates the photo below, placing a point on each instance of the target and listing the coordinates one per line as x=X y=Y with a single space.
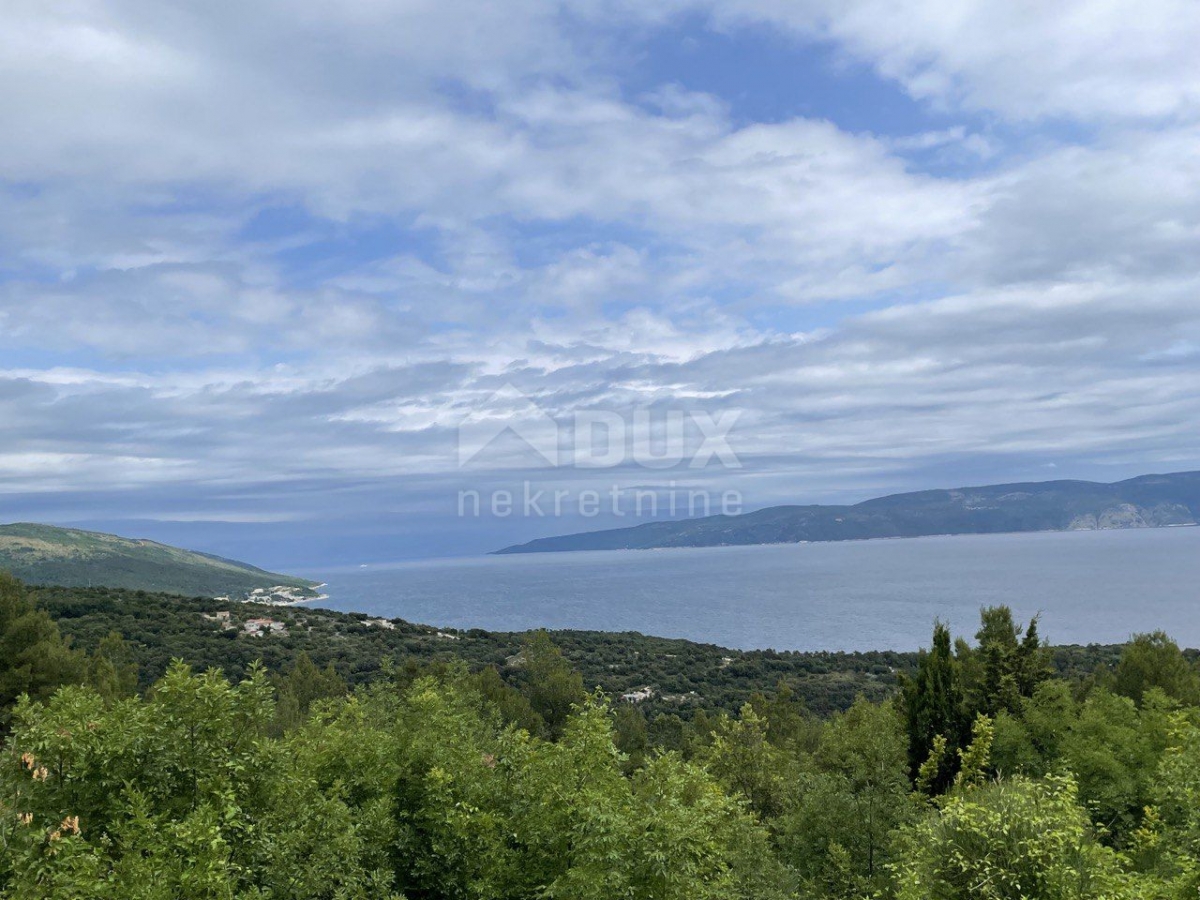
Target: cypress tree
x=934 y=706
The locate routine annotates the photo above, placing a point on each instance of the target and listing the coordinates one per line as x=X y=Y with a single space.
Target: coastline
x=516 y=550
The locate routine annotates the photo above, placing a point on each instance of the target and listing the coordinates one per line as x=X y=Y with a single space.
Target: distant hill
x=1150 y=501
x=44 y=554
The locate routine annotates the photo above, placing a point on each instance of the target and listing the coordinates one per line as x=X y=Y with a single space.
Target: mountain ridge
x=1147 y=501
x=73 y=557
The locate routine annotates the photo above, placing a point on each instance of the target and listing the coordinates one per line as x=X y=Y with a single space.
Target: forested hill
x=44 y=554
x=474 y=765
x=1149 y=501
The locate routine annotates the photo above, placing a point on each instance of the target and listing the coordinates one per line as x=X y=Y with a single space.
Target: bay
x=885 y=594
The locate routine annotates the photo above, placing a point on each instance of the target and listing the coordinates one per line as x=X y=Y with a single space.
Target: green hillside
x=44 y=554
x=1151 y=501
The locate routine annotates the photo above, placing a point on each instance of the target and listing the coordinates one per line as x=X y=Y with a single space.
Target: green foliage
x=1115 y=750
x=975 y=759
x=1008 y=840
x=369 y=762
x=1009 y=666
x=849 y=800
x=995 y=679
x=299 y=686
x=789 y=723
x=630 y=735
x=1168 y=843
x=669 y=833
x=746 y=763
x=1155 y=661
x=931 y=774
x=687 y=677
x=111 y=668
x=34 y=658
x=513 y=706
x=1046 y=717
x=551 y=685
x=934 y=706
x=179 y=795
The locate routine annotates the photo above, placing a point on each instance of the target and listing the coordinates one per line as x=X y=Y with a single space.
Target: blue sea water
x=861 y=595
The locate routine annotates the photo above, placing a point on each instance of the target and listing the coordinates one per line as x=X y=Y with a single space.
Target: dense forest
x=148 y=753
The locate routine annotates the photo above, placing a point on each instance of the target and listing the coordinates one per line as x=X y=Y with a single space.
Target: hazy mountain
x=1149 y=501
x=44 y=554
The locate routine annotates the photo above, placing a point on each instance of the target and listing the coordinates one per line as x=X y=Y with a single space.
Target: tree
x=688 y=840
x=1031 y=741
x=1170 y=838
x=933 y=706
x=551 y=685
x=181 y=796
x=788 y=722
x=111 y=669
x=630 y=735
x=1048 y=716
x=1008 y=664
x=1008 y=840
x=455 y=773
x=1114 y=749
x=858 y=792
x=299 y=686
x=512 y=705
x=1155 y=661
x=746 y=763
x=669 y=832
x=34 y=658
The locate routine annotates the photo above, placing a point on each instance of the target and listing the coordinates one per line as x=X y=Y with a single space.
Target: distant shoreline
x=856 y=540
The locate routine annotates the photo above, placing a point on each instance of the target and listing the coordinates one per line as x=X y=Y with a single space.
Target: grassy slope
x=44 y=554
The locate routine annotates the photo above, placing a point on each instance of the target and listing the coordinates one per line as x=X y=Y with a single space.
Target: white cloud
x=1077 y=59
x=594 y=245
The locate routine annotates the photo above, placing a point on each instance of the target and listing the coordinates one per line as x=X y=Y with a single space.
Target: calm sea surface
x=1088 y=586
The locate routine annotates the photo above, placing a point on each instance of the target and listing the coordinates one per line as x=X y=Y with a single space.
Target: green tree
x=1031 y=742
x=299 y=686
x=181 y=796
x=1168 y=843
x=788 y=722
x=669 y=832
x=456 y=766
x=1155 y=661
x=512 y=705
x=111 y=668
x=630 y=735
x=746 y=763
x=1011 y=662
x=837 y=830
x=1115 y=749
x=551 y=685
x=1011 y=840
x=933 y=705
x=34 y=658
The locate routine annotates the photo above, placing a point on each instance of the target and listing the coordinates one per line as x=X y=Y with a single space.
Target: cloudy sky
x=258 y=261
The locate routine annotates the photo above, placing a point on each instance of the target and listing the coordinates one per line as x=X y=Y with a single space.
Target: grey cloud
x=1041 y=311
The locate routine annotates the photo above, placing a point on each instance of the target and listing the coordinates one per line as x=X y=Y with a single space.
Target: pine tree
x=34 y=658
x=934 y=706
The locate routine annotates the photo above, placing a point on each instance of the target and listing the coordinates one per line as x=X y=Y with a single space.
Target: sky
x=260 y=262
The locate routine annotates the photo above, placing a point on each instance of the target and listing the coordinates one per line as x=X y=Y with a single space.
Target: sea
x=1086 y=587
